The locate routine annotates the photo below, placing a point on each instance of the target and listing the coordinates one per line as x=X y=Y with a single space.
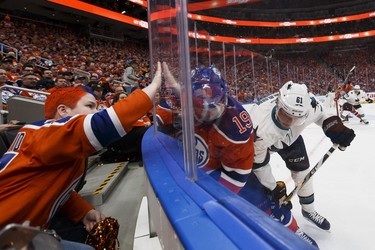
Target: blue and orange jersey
x=40 y=170
x=225 y=149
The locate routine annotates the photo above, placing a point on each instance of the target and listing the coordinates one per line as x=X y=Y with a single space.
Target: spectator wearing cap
x=98 y=93
x=94 y=77
x=79 y=80
x=33 y=62
x=11 y=55
x=46 y=82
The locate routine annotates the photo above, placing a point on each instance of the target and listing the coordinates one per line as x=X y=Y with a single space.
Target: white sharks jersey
x=354 y=98
x=268 y=131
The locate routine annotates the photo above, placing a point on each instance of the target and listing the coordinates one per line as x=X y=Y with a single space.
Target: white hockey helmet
x=293 y=104
x=357 y=87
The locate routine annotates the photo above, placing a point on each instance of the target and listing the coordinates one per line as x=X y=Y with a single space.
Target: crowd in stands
x=249 y=81
x=45 y=57
x=49 y=54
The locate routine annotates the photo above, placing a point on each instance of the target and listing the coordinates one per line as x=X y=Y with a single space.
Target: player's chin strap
x=311 y=173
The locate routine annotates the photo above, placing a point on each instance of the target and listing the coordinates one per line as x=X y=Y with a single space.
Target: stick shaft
x=347 y=76
x=311 y=173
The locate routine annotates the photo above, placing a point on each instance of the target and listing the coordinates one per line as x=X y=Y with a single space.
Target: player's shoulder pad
x=235 y=123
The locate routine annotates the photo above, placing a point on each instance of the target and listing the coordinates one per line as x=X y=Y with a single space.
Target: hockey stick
x=347 y=76
x=361 y=120
x=310 y=174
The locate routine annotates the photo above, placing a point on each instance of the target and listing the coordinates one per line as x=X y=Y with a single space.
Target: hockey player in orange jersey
x=39 y=172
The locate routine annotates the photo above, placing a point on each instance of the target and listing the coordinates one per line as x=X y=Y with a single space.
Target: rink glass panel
x=184 y=44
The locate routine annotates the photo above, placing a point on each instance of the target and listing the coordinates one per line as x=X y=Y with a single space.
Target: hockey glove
x=278 y=195
x=356 y=100
x=370 y=100
x=337 y=132
x=279 y=191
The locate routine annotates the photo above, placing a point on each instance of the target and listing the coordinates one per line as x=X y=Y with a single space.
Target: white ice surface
x=344 y=187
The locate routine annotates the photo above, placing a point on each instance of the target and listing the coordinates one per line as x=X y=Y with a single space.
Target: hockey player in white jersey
x=329 y=103
x=352 y=104
x=278 y=121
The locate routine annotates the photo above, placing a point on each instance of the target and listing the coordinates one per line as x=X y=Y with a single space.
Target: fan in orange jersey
x=41 y=169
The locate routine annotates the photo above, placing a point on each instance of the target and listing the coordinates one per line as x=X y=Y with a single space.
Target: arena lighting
x=301 y=40
x=253 y=40
x=75 y=4
x=281 y=24
x=204 y=5
x=217 y=4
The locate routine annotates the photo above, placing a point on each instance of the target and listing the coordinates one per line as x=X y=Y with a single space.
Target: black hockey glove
x=337 y=132
x=370 y=100
x=279 y=193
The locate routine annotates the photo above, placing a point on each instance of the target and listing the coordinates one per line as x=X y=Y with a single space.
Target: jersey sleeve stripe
x=237 y=170
x=103 y=127
x=232 y=184
x=116 y=121
x=90 y=133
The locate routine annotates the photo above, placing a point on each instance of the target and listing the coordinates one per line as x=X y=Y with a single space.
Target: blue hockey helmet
x=208 y=75
x=209 y=93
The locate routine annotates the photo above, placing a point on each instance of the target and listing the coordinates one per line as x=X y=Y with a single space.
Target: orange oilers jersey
x=343 y=89
x=142 y=122
x=101 y=104
x=346 y=88
x=109 y=99
x=39 y=97
x=225 y=149
x=46 y=161
x=164 y=115
x=13 y=77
